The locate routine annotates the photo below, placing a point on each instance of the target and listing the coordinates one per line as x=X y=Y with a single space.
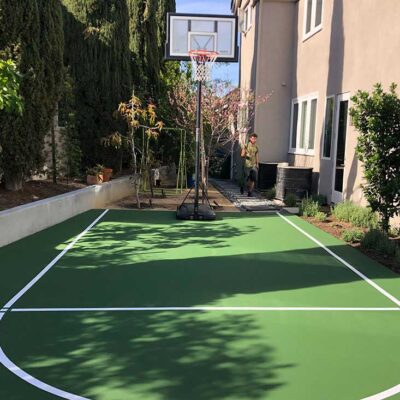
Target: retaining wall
x=19 y=222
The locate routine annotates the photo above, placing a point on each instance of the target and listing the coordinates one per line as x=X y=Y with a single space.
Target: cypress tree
x=97 y=52
x=31 y=34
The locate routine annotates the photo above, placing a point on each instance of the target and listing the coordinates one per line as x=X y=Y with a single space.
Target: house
x=314 y=55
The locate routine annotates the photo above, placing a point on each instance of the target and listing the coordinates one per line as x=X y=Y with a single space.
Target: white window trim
x=332 y=96
x=247 y=18
x=299 y=100
x=314 y=29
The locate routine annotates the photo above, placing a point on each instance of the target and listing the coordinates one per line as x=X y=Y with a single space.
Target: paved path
x=255 y=203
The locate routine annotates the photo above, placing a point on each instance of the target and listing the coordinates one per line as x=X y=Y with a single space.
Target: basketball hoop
x=202 y=62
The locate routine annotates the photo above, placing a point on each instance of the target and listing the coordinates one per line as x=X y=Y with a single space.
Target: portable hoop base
x=204 y=212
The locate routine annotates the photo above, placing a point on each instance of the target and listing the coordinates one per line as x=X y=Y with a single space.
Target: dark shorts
x=251 y=174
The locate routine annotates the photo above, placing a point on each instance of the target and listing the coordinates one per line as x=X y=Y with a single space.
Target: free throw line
x=111 y=309
x=344 y=262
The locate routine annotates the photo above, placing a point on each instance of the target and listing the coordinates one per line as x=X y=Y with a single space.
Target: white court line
x=36 y=382
x=52 y=263
x=82 y=309
x=7 y=362
x=384 y=395
x=344 y=262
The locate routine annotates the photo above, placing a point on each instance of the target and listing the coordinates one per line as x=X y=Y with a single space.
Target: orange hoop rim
x=198 y=54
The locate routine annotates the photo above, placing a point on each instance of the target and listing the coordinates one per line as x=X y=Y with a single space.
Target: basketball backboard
x=187 y=32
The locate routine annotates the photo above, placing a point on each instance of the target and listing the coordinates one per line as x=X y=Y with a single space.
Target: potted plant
x=107 y=174
x=94 y=175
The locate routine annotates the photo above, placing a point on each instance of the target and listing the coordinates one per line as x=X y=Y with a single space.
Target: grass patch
x=353 y=236
x=360 y=217
x=309 y=208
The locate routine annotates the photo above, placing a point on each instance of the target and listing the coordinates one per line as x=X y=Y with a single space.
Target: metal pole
x=197 y=166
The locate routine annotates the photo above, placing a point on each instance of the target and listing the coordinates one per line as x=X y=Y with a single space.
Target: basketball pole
x=197 y=166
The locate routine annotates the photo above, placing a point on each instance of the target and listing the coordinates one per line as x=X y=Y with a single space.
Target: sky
x=225 y=71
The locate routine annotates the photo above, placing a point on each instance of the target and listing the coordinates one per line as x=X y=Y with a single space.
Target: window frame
x=247 y=18
x=299 y=101
x=313 y=28
x=333 y=97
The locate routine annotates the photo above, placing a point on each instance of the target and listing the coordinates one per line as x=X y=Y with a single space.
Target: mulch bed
x=34 y=191
x=336 y=228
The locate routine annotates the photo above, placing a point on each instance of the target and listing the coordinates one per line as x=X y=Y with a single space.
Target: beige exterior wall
x=358 y=45
x=274 y=76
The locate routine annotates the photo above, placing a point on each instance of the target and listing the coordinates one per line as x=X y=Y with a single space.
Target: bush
x=309 y=208
x=320 y=216
x=290 y=200
x=359 y=216
x=270 y=193
x=380 y=242
x=397 y=257
x=352 y=236
x=320 y=199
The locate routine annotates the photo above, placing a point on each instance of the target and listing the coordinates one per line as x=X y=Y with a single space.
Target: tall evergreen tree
x=97 y=52
x=31 y=34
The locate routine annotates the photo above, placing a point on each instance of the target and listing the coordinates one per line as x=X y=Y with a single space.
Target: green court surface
x=142 y=306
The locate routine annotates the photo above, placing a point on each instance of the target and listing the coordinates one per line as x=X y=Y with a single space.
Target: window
x=328 y=127
x=303 y=121
x=313 y=17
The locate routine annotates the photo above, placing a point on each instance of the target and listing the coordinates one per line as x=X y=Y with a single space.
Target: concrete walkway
x=255 y=203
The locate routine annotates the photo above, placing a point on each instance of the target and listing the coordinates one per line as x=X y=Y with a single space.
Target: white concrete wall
x=19 y=222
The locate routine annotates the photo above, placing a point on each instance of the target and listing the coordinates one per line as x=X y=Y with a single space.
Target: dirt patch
x=336 y=228
x=34 y=191
x=170 y=199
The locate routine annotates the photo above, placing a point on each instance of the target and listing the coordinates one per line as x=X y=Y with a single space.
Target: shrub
x=342 y=211
x=290 y=200
x=397 y=257
x=380 y=242
x=309 y=208
x=361 y=217
x=320 y=199
x=352 y=235
x=270 y=193
x=320 y=216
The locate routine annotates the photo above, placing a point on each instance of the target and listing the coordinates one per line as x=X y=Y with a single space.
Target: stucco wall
x=359 y=45
x=274 y=76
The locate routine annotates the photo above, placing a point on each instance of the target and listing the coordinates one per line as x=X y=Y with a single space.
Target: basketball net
x=202 y=62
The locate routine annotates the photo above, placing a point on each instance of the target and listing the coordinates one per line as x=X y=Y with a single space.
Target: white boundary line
x=6 y=361
x=83 y=309
x=384 y=395
x=36 y=382
x=344 y=262
x=52 y=263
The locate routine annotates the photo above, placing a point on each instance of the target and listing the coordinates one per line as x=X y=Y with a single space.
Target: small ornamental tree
x=137 y=116
x=376 y=116
x=10 y=99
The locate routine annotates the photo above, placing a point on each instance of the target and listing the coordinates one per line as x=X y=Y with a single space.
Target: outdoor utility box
x=296 y=180
x=267 y=175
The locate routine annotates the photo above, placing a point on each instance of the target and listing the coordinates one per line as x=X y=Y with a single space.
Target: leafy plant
x=320 y=216
x=380 y=242
x=377 y=117
x=10 y=99
x=290 y=200
x=361 y=217
x=270 y=193
x=309 y=208
x=96 y=170
x=352 y=235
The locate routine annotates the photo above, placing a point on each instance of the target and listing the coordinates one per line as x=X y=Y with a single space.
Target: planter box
x=19 y=222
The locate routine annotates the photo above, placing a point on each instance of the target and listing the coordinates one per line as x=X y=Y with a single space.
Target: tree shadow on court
x=168 y=355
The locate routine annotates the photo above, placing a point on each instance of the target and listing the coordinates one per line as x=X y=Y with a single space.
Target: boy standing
x=250 y=153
